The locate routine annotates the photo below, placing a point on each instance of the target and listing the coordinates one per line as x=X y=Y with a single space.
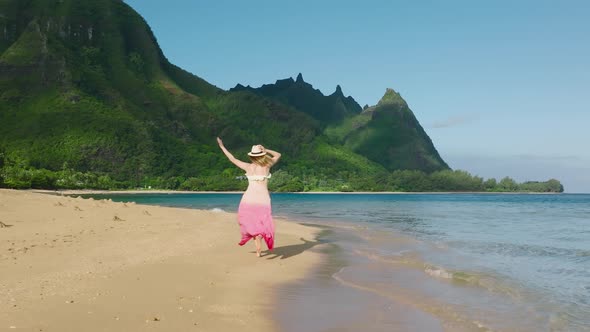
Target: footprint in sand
x=3 y=225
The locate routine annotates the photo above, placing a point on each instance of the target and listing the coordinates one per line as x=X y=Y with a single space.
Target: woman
x=254 y=212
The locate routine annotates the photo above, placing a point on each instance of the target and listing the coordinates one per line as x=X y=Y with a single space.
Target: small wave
x=447 y=313
x=485 y=281
x=520 y=250
x=458 y=276
x=406 y=257
x=217 y=210
x=481 y=326
x=438 y=273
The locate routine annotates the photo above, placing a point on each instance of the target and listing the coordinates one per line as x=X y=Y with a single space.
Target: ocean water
x=473 y=262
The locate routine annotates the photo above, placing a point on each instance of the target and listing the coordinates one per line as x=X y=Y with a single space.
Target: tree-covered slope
x=84 y=83
x=84 y=86
x=390 y=135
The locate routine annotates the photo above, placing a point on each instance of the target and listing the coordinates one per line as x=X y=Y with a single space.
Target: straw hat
x=256 y=151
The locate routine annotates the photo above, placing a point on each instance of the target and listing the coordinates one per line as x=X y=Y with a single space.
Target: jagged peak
x=391 y=97
x=285 y=80
x=338 y=91
x=299 y=78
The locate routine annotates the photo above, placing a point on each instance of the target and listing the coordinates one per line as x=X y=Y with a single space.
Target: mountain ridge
x=387 y=133
x=304 y=97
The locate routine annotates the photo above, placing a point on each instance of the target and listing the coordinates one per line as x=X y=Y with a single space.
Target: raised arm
x=234 y=160
x=275 y=156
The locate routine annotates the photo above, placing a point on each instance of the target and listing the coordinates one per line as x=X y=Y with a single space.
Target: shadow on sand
x=291 y=250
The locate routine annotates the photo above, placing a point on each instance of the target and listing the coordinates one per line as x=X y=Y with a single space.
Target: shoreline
x=155 y=191
x=128 y=267
x=325 y=302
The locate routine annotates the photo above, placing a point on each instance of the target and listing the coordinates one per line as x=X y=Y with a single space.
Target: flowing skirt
x=254 y=220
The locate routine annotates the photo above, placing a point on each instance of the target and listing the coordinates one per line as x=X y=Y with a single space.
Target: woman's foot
x=257 y=241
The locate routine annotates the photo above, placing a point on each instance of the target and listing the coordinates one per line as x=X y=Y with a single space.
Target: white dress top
x=258 y=177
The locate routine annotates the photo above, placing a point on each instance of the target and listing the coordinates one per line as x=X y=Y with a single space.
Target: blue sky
x=501 y=87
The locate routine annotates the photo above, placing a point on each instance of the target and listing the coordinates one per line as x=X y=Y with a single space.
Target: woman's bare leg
x=258 y=242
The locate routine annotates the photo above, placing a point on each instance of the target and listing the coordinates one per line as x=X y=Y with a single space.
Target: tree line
x=20 y=175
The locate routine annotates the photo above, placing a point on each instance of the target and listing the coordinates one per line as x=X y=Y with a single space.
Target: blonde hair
x=263 y=161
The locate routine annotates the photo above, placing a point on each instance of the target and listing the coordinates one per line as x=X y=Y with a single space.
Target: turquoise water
x=504 y=262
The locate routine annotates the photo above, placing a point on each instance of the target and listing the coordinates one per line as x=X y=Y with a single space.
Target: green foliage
x=282 y=181
x=340 y=132
x=213 y=183
x=390 y=135
x=16 y=178
x=490 y=184
x=411 y=180
x=448 y=180
x=551 y=185
x=392 y=98
x=27 y=49
x=19 y=175
x=387 y=134
x=507 y=184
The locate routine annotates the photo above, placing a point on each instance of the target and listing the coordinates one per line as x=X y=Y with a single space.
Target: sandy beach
x=73 y=264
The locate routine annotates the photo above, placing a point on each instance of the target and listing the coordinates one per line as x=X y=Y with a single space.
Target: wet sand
x=325 y=302
x=73 y=264
x=375 y=281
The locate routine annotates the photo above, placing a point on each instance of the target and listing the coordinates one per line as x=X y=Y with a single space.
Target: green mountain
x=302 y=96
x=84 y=83
x=85 y=91
x=388 y=133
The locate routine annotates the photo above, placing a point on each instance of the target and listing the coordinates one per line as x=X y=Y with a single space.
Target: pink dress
x=255 y=213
